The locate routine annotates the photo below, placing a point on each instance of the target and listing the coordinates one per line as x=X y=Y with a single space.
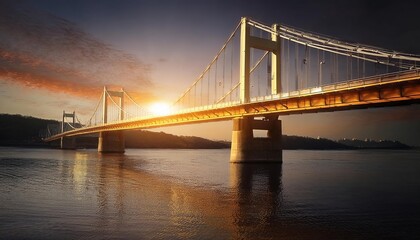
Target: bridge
x=281 y=70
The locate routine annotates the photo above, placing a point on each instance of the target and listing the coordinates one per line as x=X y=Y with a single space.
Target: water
x=197 y=194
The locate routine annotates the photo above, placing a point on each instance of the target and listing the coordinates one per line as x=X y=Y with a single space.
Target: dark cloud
x=41 y=50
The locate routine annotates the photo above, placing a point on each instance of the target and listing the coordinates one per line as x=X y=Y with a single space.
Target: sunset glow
x=160 y=109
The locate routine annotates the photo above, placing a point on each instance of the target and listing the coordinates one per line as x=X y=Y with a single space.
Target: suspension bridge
x=260 y=73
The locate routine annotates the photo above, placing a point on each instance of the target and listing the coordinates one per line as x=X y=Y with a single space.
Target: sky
x=57 y=55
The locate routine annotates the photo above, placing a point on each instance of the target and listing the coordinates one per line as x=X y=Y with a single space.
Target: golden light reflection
x=80 y=172
x=257 y=195
x=249 y=204
x=181 y=213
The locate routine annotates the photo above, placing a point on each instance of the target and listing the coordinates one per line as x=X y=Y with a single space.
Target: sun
x=160 y=109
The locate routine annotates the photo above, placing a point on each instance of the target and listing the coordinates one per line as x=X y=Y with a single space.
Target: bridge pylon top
x=272 y=46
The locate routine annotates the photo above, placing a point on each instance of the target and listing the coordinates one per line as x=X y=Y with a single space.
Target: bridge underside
x=247 y=149
x=111 y=142
x=68 y=143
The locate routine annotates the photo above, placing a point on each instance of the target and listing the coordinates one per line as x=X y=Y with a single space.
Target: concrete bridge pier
x=248 y=149
x=111 y=142
x=68 y=143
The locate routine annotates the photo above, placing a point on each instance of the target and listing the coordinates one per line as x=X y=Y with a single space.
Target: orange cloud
x=40 y=50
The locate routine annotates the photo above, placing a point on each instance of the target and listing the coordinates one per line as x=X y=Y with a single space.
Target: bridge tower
x=245 y=147
x=67 y=142
x=273 y=46
x=112 y=141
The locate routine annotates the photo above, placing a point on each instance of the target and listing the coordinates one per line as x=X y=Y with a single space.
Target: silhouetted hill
x=372 y=144
x=147 y=139
x=17 y=130
x=297 y=142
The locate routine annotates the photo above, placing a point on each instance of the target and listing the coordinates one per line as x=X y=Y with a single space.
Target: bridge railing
x=342 y=85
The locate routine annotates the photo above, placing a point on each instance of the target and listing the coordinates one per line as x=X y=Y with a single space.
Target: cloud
x=40 y=50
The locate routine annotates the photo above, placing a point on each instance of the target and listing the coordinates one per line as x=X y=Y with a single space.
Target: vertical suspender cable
x=201 y=91
x=288 y=65
x=319 y=68
x=215 y=82
x=306 y=62
x=337 y=76
x=331 y=67
x=364 y=67
x=323 y=57
x=348 y=68
x=231 y=70
x=259 y=71
x=208 y=87
x=268 y=85
x=296 y=67
x=223 y=76
x=357 y=68
x=308 y=69
x=195 y=94
x=251 y=63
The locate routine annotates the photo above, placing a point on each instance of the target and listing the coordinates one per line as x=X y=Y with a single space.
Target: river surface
x=198 y=194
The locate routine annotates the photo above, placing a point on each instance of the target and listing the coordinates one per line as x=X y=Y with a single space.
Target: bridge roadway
x=378 y=91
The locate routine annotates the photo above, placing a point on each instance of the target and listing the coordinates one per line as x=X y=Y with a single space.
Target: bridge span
x=292 y=85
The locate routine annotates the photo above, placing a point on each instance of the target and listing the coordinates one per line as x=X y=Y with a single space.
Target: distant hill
x=18 y=130
x=148 y=139
x=297 y=142
x=372 y=144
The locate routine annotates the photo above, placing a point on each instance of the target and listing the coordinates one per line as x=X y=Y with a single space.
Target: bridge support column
x=111 y=142
x=248 y=149
x=68 y=143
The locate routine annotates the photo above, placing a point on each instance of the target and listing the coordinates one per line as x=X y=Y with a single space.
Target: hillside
x=297 y=142
x=147 y=139
x=372 y=144
x=17 y=130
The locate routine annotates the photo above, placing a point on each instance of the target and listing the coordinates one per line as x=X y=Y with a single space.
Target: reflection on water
x=79 y=172
x=257 y=197
x=253 y=199
x=168 y=194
